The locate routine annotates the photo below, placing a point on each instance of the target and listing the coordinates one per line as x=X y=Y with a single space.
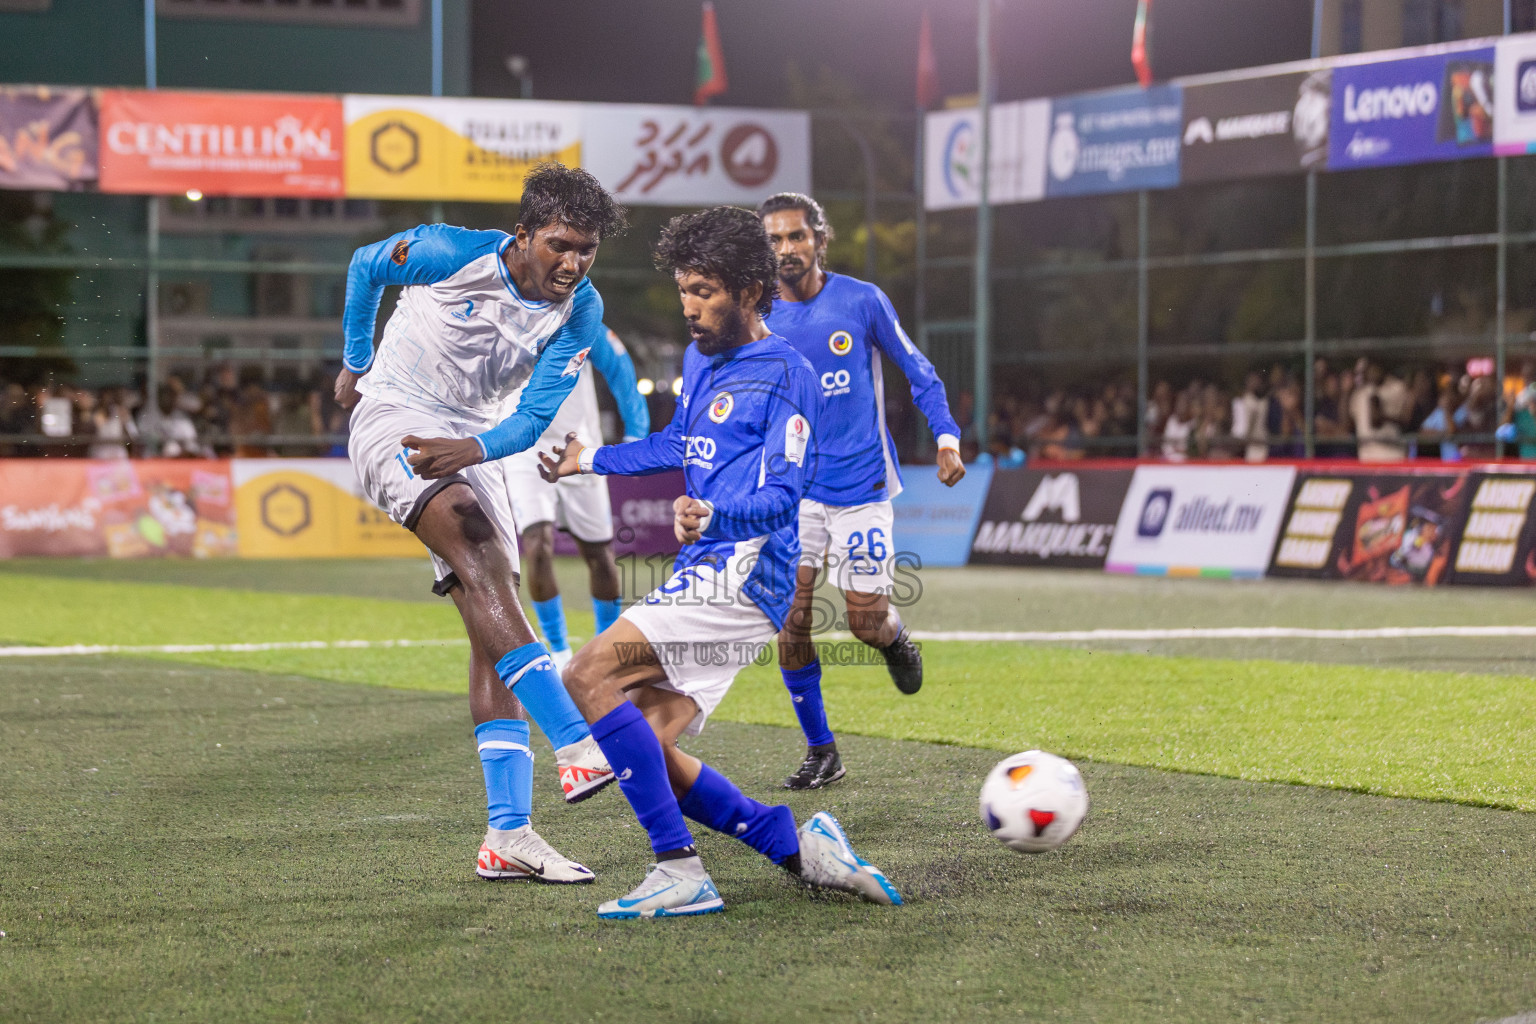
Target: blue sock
x=508 y=765
x=551 y=615
x=635 y=753
x=715 y=801
x=805 y=690
x=607 y=612
x=532 y=678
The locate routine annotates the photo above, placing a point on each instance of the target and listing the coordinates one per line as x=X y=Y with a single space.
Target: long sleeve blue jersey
x=611 y=359
x=462 y=338
x=741 y=434
x=844 y=331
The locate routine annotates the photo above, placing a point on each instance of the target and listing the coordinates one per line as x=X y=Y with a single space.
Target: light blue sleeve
x=611 y=359
x=553 y=378
x=423 y=255
x=927 y=390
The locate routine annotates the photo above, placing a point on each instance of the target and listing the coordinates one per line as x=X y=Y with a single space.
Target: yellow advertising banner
x=409 y=147
x=311 y=508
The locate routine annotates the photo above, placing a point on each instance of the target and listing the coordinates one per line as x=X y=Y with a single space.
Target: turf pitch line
x=961 y=636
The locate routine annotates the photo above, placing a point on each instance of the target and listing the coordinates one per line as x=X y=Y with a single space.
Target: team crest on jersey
x=797 y=437
x=398 y=254
x=720 y=408
x=841 y=343
x=573 y=367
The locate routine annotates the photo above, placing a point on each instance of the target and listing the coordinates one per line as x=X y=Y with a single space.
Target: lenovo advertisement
x=1412 y=111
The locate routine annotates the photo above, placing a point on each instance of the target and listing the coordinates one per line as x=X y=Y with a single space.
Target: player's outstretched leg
x=677 y=885
x=511 y=848
x=801 y=670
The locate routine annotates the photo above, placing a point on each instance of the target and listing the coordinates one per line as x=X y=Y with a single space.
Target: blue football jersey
x=741 y=434
x=844 y=331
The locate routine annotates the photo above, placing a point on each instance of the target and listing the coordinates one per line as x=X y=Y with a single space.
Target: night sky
x=624 y=50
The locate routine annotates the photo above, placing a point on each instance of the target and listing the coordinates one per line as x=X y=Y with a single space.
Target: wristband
x=949 y=441
x=706 y=518
x=584 y=460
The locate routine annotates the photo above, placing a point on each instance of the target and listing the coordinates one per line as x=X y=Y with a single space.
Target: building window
x=1351 y=26
x=336 y=12
x=1522 y=15
x=1431 y=21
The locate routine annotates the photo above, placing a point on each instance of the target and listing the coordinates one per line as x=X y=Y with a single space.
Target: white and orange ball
x=1034 y=801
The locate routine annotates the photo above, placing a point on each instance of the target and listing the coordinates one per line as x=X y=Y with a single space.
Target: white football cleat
x=508 y=855
x=827 y=861
x=674 y=888
x=583 y=769
x=561 y=659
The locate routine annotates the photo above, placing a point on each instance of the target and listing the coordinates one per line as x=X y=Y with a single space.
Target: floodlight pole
x=981 y=385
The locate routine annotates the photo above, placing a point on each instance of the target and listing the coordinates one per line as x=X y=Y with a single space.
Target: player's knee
x=539 y=542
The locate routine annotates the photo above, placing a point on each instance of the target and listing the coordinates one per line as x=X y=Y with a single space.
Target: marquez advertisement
x=1391 y=528
x=47 y=138
x=1276 y=124
x=1060 y=518
x=118 y=509
x=1416 y=110
x=237 y=144
x=476 y=150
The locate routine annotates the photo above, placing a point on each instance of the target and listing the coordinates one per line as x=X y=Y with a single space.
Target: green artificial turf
x=183 y=842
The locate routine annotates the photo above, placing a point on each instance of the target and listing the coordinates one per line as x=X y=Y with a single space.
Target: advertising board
x=238 y=144
x=1115 y=141
x=477 y=150
x=671 y=155
x=934 y=523
x=312 y=508
x=642 y=518
x=118 y=508
x=1397 y=528
x=1251 y=127
x=952 y=147
x=1497 y=544
x=47 y=138
x=1435 y=107
x=1200 y=520
x=1059 y=518
x=1514 y=96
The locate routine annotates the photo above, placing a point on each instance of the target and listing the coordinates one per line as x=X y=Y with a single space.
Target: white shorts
x=853 y=541
x=388 y=481
x=577 y=504
x=704 y=630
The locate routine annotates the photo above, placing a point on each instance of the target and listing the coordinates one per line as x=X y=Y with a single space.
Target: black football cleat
x=904 y=659
x=821 y=767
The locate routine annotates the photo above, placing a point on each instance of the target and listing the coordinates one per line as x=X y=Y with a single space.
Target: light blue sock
x=607 y=612
x=508 y=765
x=530 y=675
x=551 y=616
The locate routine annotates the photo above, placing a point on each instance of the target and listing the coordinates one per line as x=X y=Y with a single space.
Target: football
x=1034 y=801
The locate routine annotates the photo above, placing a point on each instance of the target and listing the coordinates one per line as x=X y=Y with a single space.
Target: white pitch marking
x=290 y=645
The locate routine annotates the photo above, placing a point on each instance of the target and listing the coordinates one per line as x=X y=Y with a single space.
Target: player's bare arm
x=565 y=460
x=346 y=388
x=436 y=457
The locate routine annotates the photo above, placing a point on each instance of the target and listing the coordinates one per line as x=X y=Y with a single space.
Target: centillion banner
x=476 y=150
x=312 y=508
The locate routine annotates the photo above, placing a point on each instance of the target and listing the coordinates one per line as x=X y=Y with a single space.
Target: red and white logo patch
x=797 y=438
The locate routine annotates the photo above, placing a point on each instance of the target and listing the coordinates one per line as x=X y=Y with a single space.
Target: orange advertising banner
x=234 y=144
x=119 y=508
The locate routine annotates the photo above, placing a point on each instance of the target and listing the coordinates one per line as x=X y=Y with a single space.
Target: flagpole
x=983 y=314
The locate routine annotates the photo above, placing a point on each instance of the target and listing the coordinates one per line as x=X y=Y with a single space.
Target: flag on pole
x=711 y=76
x=927 y=67
x=1141 y=43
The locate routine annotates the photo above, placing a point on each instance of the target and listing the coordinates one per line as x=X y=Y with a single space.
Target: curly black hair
x=556 y=194
x=726 y=243
x=815 y=216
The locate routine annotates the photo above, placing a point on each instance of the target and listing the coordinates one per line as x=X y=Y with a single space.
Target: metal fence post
x=1143 y=322
x=1501 y=303
x=983 y=316
x=1309 y=328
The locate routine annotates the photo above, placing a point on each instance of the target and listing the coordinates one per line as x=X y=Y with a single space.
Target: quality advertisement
x=1058 y=518
x=1115 y=141
x=238 y=144
x=1438 y=107
x=1498 y=543
x=952 y=148
x=690 y=156
x=312 y=508
x=1395 y=528
x=1252 y=127
x=1200 y=520
x=1514 y=96
x=47 y=138
x=115 y=508
x=475 y=150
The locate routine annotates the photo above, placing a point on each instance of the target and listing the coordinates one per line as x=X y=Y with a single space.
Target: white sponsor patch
x=573 y=367
x=797 y=437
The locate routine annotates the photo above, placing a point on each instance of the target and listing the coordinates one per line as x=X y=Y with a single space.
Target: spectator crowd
x=228 y=413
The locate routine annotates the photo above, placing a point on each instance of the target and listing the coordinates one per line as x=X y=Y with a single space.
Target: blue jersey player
x=846 y=328
x=481 y=315
x=742 y=434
